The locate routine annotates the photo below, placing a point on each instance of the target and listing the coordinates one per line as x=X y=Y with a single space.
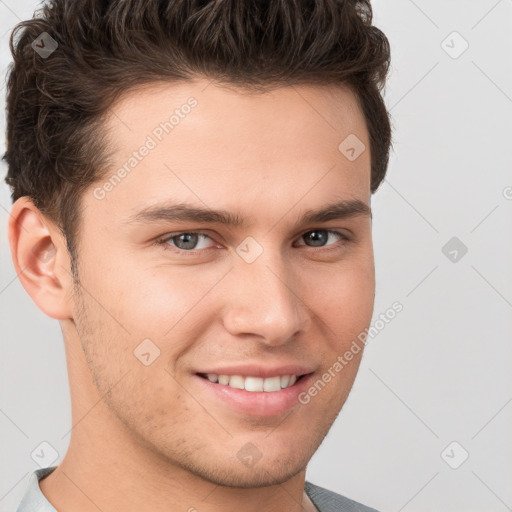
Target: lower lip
x=258 y=403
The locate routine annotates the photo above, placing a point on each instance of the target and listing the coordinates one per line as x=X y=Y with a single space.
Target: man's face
x=270 y=292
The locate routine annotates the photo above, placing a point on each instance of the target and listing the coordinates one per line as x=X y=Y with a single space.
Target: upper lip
x=260 y=370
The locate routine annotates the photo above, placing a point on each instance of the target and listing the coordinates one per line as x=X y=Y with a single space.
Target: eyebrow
x=184 y=212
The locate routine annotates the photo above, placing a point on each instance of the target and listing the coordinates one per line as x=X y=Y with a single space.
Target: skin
x=149 y=437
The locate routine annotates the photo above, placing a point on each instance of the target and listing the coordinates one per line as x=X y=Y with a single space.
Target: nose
x=265 y=300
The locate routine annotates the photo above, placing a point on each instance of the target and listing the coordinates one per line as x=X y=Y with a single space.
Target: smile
x=256 y=396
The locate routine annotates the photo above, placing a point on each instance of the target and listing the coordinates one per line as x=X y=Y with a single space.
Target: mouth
x=260 y=399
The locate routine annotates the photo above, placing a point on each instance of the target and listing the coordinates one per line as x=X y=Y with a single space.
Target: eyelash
x=167 y=247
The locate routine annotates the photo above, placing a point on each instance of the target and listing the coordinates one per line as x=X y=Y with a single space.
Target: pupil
x=190 y=240
x=317 y=237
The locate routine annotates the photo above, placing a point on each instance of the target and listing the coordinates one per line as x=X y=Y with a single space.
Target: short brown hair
x=56 y=105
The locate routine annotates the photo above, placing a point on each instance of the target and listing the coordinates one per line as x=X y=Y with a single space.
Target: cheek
x=344 y=296
x=152 y=302
x=162 y=311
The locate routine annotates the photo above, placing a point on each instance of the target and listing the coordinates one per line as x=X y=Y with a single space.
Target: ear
x=41 y=259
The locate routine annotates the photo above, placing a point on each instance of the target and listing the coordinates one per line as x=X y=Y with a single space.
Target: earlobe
x=40 y=258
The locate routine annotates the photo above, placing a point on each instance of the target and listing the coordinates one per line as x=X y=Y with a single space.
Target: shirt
x=324 y=500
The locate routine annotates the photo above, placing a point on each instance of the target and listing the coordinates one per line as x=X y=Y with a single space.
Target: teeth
x=236 y=381
x=269 y=384
x=254 y=384
x=223 y=379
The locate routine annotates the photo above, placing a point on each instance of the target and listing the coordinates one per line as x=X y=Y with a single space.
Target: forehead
x=224 y=147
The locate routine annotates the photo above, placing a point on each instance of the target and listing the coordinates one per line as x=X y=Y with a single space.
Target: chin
x=248 y=478
x=230 y=470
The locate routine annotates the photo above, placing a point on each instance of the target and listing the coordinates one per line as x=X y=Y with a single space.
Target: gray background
x=440 y=371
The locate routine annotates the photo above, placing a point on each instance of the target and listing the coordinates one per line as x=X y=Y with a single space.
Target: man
x=191 y=186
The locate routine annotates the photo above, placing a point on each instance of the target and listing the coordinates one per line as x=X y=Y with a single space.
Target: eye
x=184 y=241
x=319 y=237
